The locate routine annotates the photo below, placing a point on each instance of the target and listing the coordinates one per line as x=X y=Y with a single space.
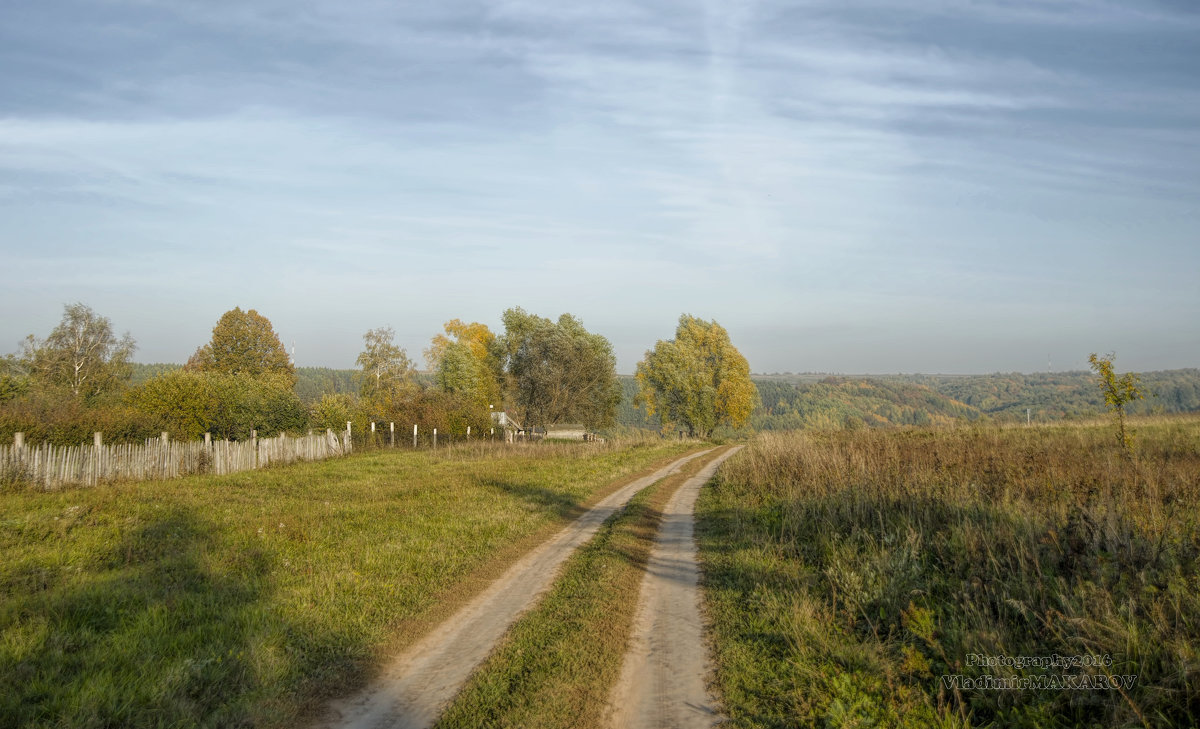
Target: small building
x=510 y=427
x=567 y=431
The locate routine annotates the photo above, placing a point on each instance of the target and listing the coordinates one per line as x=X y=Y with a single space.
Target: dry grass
x=849 y=571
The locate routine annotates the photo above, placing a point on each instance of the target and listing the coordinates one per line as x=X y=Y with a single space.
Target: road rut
x=663 y=678
x=415 y=688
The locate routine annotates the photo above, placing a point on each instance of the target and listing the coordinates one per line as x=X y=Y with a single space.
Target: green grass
x=557 y=664
x=245 y=600
x=847 y=572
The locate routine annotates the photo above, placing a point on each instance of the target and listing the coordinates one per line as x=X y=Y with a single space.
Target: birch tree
x=386 y=370
x=82 y=354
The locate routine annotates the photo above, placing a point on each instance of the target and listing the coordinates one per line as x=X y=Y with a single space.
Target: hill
x=837 y=402
x=1049 y=396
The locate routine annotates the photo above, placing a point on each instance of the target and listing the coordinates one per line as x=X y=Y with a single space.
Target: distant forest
x=796 y=401
x=814 y=400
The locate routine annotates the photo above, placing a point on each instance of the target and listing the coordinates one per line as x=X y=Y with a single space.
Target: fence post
x=208 y=441
x=468 y=432
x=393 y=435
x=93 y=478
x=19 y=441
x=414 y=435
x=164 y=437
x=435 y=437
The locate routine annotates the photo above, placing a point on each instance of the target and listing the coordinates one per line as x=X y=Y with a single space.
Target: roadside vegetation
x=246 y=600
x=848 y=571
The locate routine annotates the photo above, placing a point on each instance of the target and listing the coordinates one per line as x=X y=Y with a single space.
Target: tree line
x=79 y=379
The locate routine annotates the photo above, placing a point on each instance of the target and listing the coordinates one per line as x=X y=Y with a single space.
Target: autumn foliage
x=698 y=380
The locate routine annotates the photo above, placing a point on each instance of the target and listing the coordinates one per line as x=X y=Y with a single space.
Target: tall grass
x=849 y=571
x=243 y=600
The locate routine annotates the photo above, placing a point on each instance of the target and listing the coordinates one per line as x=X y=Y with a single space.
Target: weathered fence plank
x=159 y=458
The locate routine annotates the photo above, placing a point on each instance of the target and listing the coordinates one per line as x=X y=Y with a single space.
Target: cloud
x=936 y=160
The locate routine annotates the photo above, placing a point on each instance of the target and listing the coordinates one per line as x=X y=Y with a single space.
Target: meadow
x=851 y=575
x=246 y=600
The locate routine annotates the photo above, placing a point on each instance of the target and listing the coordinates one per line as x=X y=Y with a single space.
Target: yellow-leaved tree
x=698 y=380
x=468 y=360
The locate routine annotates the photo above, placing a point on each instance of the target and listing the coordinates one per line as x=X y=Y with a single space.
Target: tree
x=468 y=360
x=1118 y=392
x=558 y=371
x=243 y=343
x=698 y=379
x=386 y=370
x=81 y=355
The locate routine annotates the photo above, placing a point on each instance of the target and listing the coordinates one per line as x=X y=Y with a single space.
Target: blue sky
x=875 y=186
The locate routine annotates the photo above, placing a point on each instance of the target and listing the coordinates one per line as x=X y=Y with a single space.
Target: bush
x=188 y=404
x=333 y=411
x=53 y=417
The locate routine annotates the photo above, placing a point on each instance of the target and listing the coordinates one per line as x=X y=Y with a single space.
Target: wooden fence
x=52 y=466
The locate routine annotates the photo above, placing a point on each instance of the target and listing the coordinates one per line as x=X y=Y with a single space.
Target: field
x=855 y=577
x=247 y=599
x=848 y=572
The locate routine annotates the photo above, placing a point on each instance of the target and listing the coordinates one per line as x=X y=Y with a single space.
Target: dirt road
x=412 y=692
x=663 y=678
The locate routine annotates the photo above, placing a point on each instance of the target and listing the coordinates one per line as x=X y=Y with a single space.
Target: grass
x=245 y=600
x=558 y=663
x=847 y=572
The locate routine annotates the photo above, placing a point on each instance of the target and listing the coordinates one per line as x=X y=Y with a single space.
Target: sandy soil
x=415 y=688
x=664 y=675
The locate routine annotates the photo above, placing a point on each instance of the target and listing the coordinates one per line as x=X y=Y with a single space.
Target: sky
x=848 y=186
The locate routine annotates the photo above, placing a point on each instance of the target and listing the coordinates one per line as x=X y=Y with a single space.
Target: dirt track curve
x=664 y=675
x=415 y=688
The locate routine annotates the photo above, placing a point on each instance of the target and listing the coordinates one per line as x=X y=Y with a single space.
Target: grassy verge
x=244 y=600
x=558 y=663
x=847 y=572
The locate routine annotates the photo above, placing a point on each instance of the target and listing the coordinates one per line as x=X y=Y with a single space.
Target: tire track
x=663 y=679
x=415 y=688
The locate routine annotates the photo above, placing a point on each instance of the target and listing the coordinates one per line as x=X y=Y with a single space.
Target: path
x=413 y=691
x=663 y=678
